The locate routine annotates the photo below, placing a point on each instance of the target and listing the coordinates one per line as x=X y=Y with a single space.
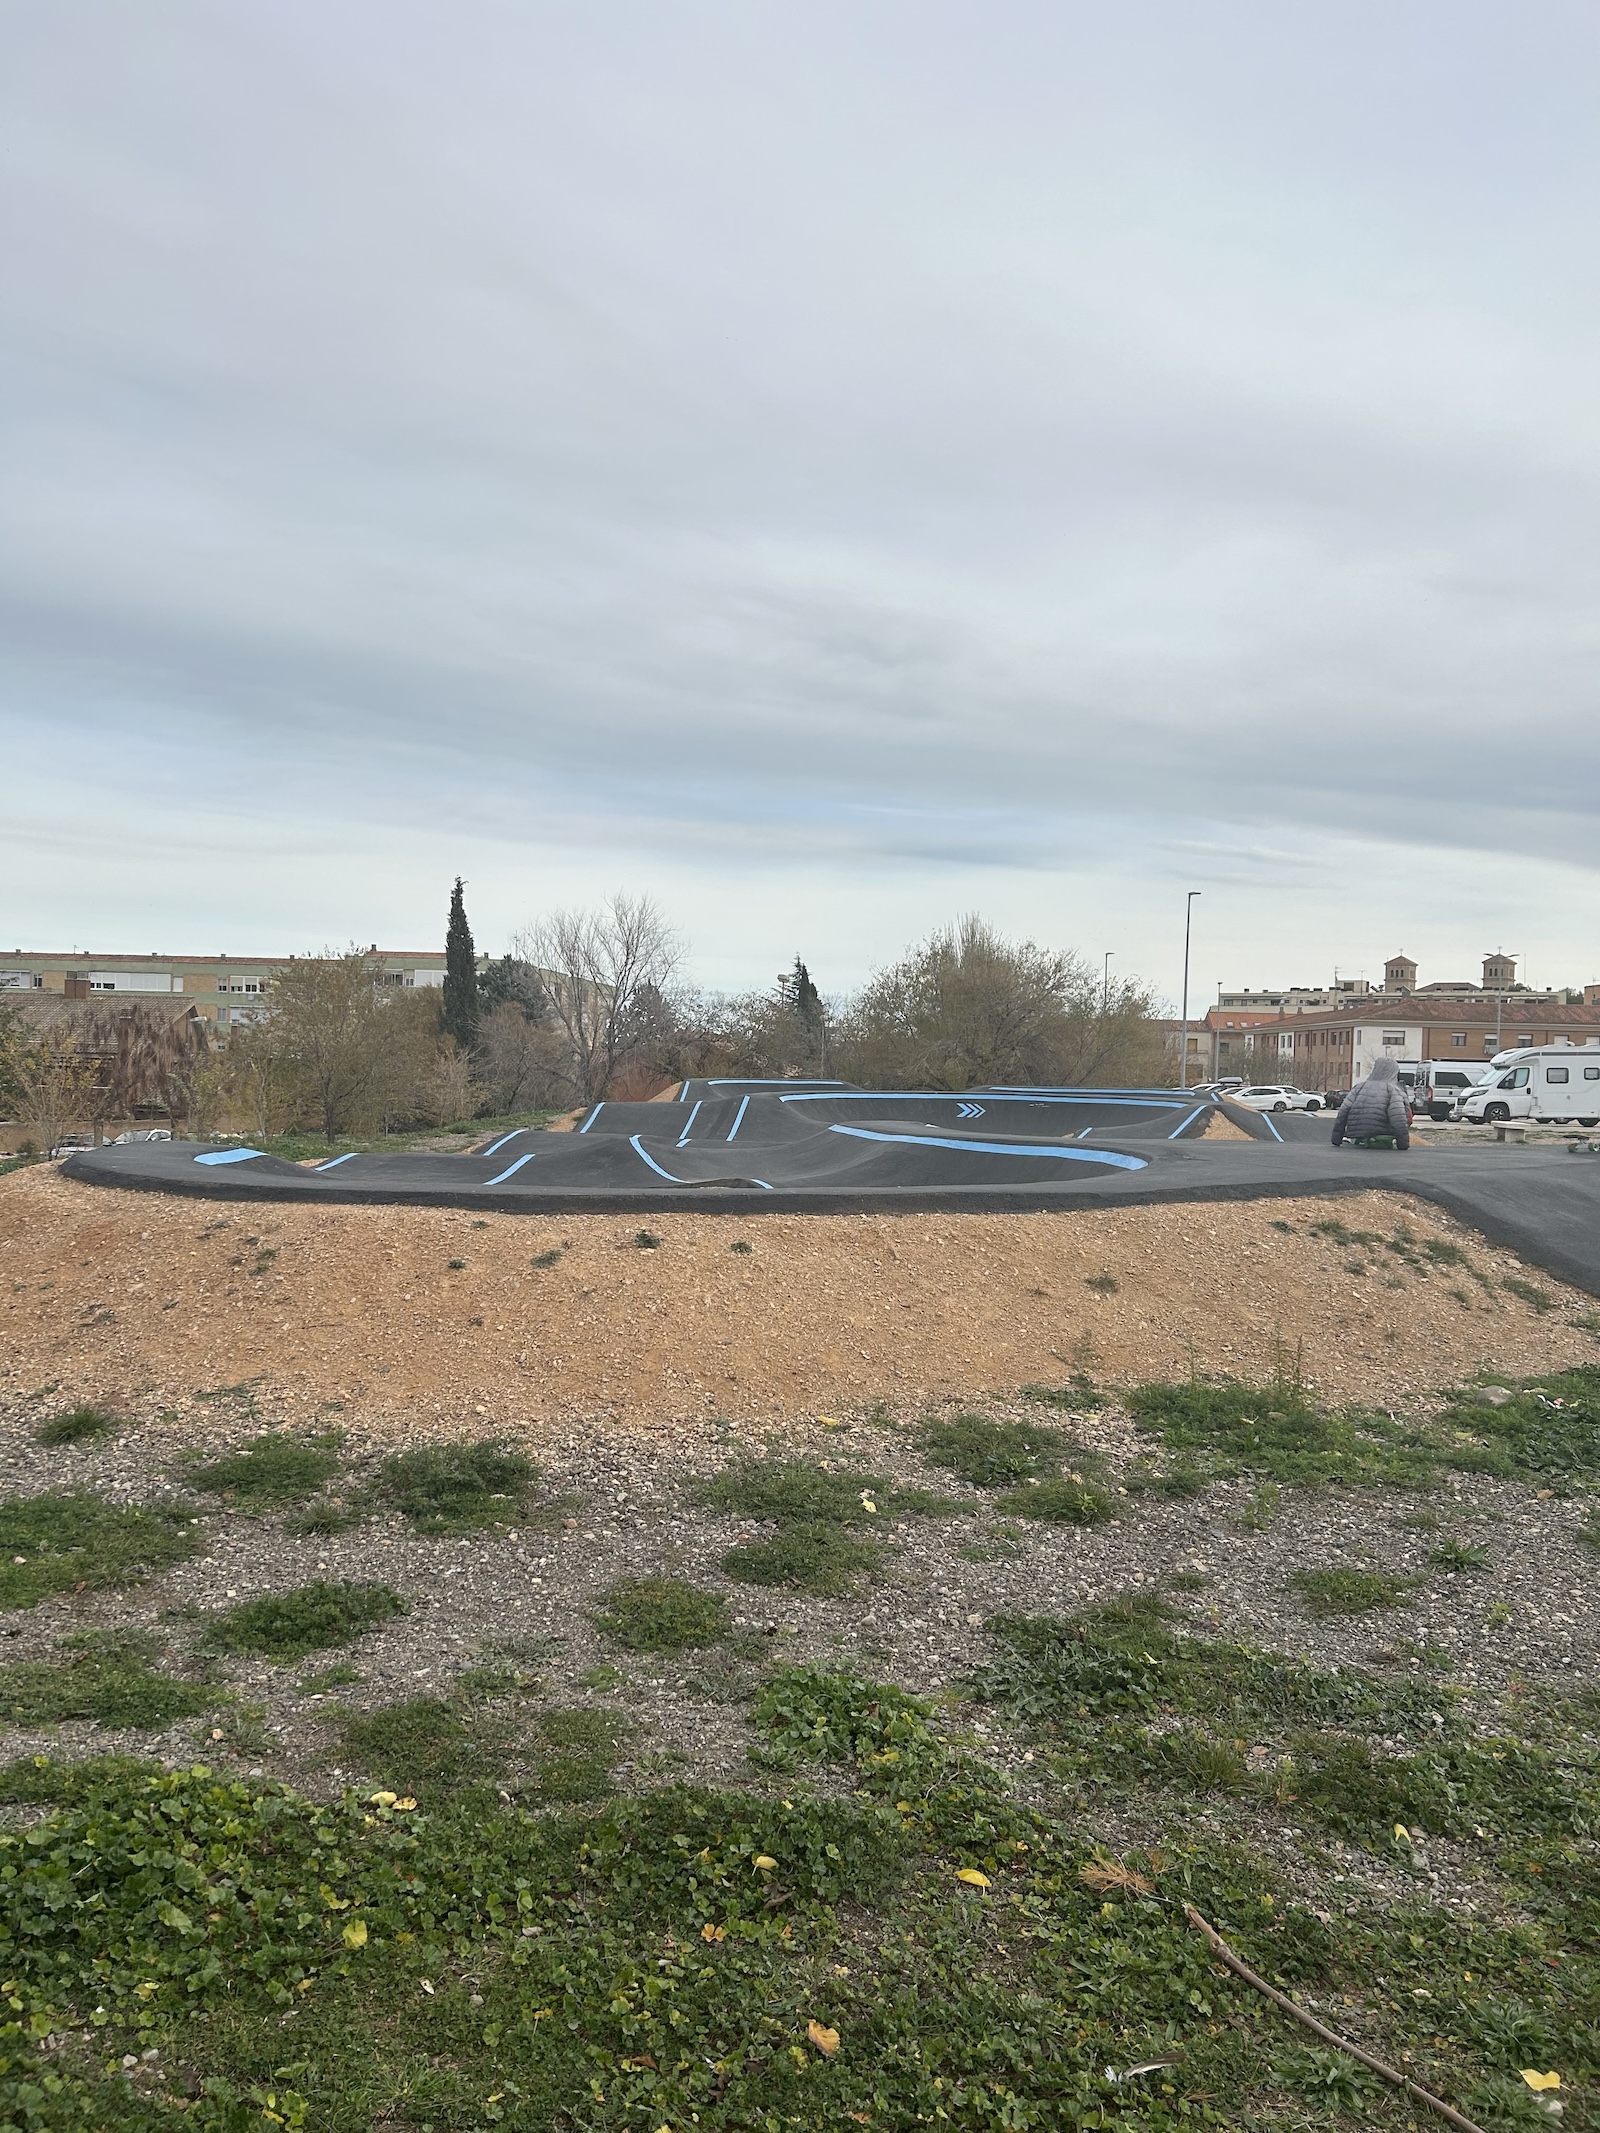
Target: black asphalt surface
x=825 y=1148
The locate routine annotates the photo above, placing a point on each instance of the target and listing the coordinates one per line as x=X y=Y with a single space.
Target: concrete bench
x=1511 y=1129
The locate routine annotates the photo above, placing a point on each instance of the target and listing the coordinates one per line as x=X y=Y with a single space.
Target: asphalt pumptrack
x=788 y=1147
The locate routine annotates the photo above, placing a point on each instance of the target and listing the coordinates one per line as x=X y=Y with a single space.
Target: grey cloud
x=874 y=434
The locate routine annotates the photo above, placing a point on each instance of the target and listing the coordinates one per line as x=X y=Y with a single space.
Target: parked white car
x=142 y=1133
x=1558 y=1083
x=1276 y=1096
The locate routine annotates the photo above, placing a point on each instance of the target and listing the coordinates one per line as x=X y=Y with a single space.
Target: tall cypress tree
x=460 y=1016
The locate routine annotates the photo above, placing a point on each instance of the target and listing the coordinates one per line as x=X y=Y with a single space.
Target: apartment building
x=226 y=989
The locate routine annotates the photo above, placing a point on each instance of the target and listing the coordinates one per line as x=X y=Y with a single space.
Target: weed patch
x=76 y=1426
x=1066 y=1500
x=1549 y=1430
x=1078 y=1397
x=993 y=1455
x=1276 y=1432
x=70 y=1542
x=804 y=1557
x=273 y=1471
x=101 y=1675
x=1456 y=1555
x=458 y=1488
x=662 y=1615
x=1537 y=1299
x=291 y=1625
x=430 y=1747
x=1348 y=1592
x=576 y=1752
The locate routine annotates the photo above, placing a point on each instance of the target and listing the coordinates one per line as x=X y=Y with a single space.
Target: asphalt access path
x=749 y=1148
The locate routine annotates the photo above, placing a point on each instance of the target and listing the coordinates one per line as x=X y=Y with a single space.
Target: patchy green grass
x=1537 y=1299
x=338 y=1676
x=994 y=1455
x=576 y=1752
x=275 y=1470
x=923 y=1950
x=545 y=1260
x=662 y=1615
x=1549 y=1431
x=430 y=1747
x=1077 y=1397
x=801 y=1491
x=803 y=1557
x=1349 y=1592
x=103 y=1675
x=1277 y=1432
x=1065 y=1500
x=77 y=1425
x=291 y=1625
x=61 y=1543
x=646 y=1240
x=458 y=1488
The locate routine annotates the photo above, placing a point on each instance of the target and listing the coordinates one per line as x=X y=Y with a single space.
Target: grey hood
x=1384 y=1069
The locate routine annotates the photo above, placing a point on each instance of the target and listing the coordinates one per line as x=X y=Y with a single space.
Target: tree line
x=589 y=1004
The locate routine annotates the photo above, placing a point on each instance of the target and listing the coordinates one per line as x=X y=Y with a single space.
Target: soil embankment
x=423 y=1319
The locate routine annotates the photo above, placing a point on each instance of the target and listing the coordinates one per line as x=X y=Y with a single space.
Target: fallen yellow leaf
x=763 y=1863
x=404 y=1806
x=829 y=1421
x=1402 y=1832
x=973 y=1879
x=381 y=1799
x=826 y=2040
x=710 y=1932
x=355 y=1933
x=1540 y=2081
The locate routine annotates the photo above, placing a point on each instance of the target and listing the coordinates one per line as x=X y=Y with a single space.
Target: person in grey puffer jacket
x=1376 y=1105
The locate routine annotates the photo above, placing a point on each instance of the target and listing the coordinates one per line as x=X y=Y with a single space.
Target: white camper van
x=1435 y=1086
x=1558 y=1083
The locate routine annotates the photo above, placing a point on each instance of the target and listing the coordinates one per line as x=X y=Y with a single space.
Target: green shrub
x=291 y=1625
x=662 y=1615
x=57 y=1543
x=275 y=1470
x=76 y=1425
x=102 y=1675
x=458 y=1488
x=1457 y=1555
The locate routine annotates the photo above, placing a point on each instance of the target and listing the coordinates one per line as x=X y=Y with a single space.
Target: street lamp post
x=1183 y=1041
x=1105 y=983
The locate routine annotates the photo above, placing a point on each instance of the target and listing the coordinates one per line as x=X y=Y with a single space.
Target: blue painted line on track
x=1189 y=1121
x=504 y=1141
x=593 y=1115
x=512 y=1169
x=1065 y=1155
x=644 y=1157
x=337 y=1160
x=900 y=1096
x=1271 y=1128
x=230 y=1155
x=689 y=1122
x=738 y=1118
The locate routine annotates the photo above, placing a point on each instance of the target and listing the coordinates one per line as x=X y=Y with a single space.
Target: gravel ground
x=1528 y=1625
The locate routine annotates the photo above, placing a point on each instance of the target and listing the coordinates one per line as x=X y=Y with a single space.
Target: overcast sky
x=833 y=466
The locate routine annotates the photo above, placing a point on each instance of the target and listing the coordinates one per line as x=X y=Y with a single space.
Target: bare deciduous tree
x=607 y=976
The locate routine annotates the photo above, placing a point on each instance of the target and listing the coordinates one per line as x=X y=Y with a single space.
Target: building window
x=1458 y=1036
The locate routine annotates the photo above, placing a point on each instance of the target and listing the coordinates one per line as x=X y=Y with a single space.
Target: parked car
x=70 y=1143
x=1556 y=1083
x=1435 y=1086
x=1276 y=1096
x=142 y=1133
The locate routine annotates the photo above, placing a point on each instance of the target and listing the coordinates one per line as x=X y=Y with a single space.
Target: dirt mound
x=434 y=1316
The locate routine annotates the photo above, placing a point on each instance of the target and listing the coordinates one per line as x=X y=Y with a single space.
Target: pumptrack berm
x=748 y=1147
